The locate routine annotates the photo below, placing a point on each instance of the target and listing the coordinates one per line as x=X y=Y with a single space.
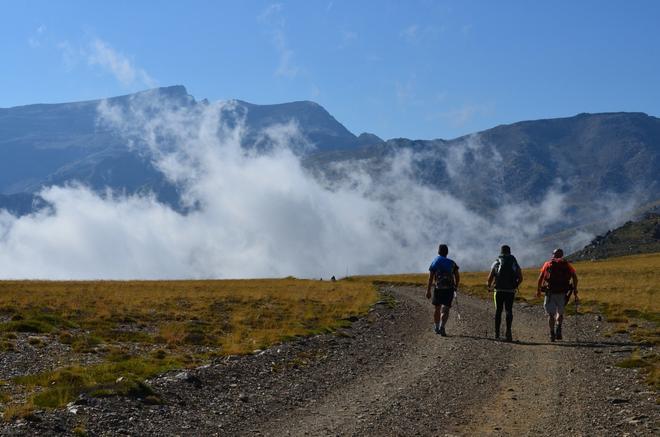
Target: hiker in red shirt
x=558 y=281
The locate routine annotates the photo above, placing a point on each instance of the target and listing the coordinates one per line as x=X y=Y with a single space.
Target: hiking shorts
x=443 y=297
x=554 y=303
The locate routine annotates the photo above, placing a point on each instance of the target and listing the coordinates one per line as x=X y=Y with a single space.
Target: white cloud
x=272 y=17
x=36 y=39
x=480 y=155
x=259 y=214
x=99 y=53
x=286 y=67
x=271 y=12
x=116 y=63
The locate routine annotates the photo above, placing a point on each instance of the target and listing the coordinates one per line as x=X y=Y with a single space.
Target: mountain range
x=586 y=158
x=53 y=144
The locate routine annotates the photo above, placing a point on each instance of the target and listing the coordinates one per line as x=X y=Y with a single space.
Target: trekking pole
x=488 y=290
x=458 y=312
x=577 y=328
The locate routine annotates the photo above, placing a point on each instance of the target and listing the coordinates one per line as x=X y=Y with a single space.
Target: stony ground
x=389 y=374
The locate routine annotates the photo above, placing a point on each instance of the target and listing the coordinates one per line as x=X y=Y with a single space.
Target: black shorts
x=443 y=297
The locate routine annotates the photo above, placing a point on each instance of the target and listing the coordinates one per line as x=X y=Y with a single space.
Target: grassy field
x=142 y=328
x=626 y=290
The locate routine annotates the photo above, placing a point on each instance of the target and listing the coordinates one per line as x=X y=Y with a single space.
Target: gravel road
x=390 y=374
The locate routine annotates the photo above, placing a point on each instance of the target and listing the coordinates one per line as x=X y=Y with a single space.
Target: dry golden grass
x=176 y=323
x=234 y=315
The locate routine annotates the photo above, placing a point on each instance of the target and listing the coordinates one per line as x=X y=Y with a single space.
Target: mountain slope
x=317 y=125
x=38 y=140
x=634 y=237
x=589 y=157
x=48 y=144
x=591 y=152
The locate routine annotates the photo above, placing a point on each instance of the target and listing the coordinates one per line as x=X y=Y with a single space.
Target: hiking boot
x=442 y=331
x=509 y=337
x=552 y=336
x=558 y=333
x=436 y=330
x=497 y=335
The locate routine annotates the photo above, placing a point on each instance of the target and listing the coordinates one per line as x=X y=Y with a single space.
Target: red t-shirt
x=546 y=266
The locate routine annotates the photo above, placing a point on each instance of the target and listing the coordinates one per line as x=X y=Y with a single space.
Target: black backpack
x=506 y=276
x=444 y=279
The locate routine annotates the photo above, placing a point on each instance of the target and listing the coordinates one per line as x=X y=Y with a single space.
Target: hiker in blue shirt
x=444 y=278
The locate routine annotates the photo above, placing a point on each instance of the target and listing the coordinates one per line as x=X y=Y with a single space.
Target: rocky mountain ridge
x=633 y=238
x=590 y=159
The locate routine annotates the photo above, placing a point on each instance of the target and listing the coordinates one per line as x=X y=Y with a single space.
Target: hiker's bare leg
x=499 y=305
x=445 y=314
x=437 y=314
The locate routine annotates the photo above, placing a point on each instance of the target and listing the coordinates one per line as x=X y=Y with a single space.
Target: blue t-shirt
x=443 y=264
x=443 y=270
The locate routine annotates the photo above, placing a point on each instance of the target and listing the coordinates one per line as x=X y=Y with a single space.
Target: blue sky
x=417 y=69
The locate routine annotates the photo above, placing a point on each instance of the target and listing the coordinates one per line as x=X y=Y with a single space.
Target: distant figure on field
x=333 y=279
x=557 y=280
x=444 y=278
x=507 y=275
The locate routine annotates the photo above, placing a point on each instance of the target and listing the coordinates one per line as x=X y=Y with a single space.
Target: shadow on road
x=562 y=343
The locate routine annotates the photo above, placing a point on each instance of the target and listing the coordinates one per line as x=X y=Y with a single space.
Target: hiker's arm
x=540 y=284
x=491 y=277
x=428 y=287
x=575 y=289
x=520 y=275
x=457 y=278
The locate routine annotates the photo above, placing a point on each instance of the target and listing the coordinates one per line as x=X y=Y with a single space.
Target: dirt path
x=470 y=384
x=390 y=374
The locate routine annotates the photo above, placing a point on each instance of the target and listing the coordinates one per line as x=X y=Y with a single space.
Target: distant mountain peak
x=175 y=93
x=302 y=104
x=176 y=90
x=314 y=121
x=368 y=139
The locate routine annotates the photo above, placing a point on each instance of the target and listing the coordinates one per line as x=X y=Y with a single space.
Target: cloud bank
x=254 y=214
